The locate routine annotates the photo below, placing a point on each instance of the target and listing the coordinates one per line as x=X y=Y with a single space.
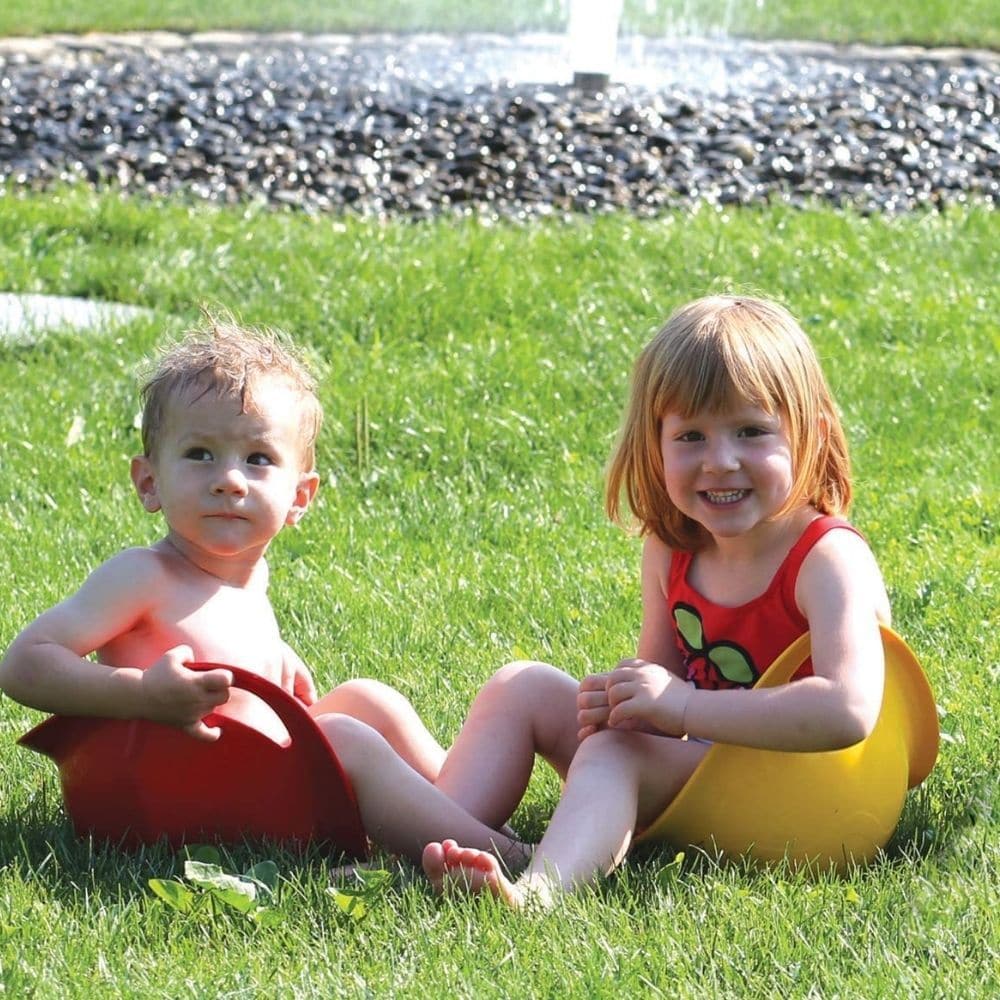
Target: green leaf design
x=732 y=663
x=689 y=626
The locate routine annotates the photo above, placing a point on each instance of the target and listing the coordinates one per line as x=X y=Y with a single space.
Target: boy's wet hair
x=229 y=359
x=711 y=354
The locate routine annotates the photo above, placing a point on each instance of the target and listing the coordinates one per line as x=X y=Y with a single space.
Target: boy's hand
x=295 y=677
x=180 y=697
x=302 y=686
x=592 y=705
x=644 y=695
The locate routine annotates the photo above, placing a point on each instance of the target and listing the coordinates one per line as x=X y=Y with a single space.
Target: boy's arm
x=46 y=666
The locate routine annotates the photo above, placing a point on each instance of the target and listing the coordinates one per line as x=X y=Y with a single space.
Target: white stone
x=22 y=317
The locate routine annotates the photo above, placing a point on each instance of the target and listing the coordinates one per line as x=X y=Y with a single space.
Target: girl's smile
x=721 y=498
x=728 y=470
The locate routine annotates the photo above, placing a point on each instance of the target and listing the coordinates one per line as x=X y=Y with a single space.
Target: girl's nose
x=230 y=480
x=721 y=455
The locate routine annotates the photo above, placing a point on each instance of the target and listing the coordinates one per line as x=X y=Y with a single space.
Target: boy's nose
x=230 y=480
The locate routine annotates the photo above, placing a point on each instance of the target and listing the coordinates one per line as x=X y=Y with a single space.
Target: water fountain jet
x=592 y=34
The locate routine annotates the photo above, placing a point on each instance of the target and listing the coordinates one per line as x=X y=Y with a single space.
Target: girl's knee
x=530 y=680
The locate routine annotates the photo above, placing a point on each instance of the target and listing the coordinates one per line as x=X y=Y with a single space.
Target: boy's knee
x=357 y=745
x=367 y=691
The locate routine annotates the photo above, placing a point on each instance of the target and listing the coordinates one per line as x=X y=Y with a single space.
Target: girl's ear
x=144 y=481
x=305 y=491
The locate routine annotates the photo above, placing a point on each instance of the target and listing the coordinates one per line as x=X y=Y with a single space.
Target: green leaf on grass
x=207 y=853
x=265 y=874
x=214 y=877
x=349 y=902
x=174 y=894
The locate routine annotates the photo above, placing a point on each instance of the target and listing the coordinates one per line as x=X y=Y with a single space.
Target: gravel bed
x=420 y=125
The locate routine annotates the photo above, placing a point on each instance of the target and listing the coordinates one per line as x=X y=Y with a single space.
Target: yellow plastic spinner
x=829 y=809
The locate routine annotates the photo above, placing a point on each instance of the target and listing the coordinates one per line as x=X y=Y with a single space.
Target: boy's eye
x=198 y=454
x=259 y=458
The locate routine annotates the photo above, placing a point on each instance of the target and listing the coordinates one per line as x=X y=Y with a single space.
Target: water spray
x=592 y=35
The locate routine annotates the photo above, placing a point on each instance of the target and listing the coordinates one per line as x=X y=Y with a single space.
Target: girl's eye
x=198 y=454
x=751 y=432
x=259 y=458
x=691 y=436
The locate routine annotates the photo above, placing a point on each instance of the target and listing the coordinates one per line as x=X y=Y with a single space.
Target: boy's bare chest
x=230 y=626
x=227 y=625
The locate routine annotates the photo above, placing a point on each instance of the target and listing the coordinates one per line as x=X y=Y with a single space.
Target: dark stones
x=348 y=126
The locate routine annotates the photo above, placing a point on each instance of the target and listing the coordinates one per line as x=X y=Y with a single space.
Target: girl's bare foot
x=468 y=869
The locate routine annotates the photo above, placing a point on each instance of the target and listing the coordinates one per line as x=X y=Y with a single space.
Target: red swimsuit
x=731 y=647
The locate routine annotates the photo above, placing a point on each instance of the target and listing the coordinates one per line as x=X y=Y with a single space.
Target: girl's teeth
x=724 y=496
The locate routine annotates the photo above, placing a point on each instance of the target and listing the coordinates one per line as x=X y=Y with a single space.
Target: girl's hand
x=643 y=695
x=180 y=697
x=592 y=706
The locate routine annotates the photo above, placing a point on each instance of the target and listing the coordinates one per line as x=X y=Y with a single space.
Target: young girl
x=733 y=460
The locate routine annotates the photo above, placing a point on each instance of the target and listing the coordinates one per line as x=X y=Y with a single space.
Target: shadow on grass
x=38 y=843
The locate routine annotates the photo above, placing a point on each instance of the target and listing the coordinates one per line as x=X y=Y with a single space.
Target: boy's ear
x=304 y=494
x=144 y=480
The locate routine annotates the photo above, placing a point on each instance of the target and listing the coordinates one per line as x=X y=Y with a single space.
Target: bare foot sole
x=450 y=868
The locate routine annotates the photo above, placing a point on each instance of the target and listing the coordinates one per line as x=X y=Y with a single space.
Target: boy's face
x=226 y=481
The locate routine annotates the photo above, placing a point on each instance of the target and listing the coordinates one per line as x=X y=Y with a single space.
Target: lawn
x=473 y=377
x=928 y=22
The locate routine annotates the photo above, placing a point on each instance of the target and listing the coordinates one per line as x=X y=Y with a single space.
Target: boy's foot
x=450 y=867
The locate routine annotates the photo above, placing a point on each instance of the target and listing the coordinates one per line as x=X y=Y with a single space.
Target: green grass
x=936 y=22
x=473 y=377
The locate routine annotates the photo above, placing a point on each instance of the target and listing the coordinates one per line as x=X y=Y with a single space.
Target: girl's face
x=730 y=471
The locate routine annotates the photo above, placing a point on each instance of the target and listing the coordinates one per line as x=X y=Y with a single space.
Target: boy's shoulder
x=136 y=563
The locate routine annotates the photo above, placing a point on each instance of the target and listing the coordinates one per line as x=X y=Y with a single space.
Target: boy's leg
x=387 y=712
x=524 y=709
x=616 y=783
x=400 y=809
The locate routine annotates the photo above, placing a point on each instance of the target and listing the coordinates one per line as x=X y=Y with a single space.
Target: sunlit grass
x=928 y=22
x=473 y=378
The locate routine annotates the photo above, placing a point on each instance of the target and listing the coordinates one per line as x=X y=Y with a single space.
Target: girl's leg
x=524 y=709
x=616 y=783
x=387 y=712
x=401 y=810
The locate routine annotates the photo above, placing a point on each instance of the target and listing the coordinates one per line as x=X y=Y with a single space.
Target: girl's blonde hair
x=713 y=353
x=230 y=360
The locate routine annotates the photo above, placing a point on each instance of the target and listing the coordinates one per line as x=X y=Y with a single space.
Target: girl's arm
x=656 y=636
x=841 y=593
x=47 y=666
x=657 y=661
